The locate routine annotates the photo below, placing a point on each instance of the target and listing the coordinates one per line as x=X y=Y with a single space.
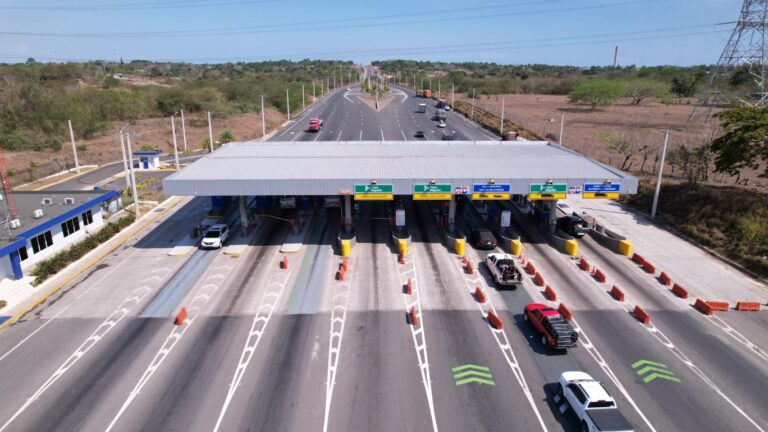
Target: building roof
x=324 y=168
x=60 y=209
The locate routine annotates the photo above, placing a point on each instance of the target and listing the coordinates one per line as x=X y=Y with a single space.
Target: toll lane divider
x=599 y=275
x=704 y=307
x=584 y=264
x=539 y=279
x=181 y=316
x=680 y=291
x=495 y=321
x=550 y=293
x=480 y=295
x=642 y=315
x=565 y=311
x=718 y=306
x=748 y=306
x=665 y=279
x=530 y=268
x=617 y=293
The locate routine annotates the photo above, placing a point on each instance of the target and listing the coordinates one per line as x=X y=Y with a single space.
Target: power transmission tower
x=743 y=59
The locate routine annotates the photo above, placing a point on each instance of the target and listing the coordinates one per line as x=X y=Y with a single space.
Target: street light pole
x=453 y=94
x=501 y=126
x=183 y=130
x=125 y=159
x=74 y=147
x=133 y=177
x=210 y=132
x=562 y=125
x=263 y=120
x=288 y=104
x=658 y=178
x=175 y=148
x=472 y=113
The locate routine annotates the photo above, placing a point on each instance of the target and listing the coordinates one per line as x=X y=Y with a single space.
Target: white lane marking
x=298 y=134
x=382 y=134
x=136 y=296
x=317 y=135
x=203 y=295
x=500 y=335
x=418 y=334
x=404 y=138
x=269 y=301
x=664 y=340
x=361 y=135
x=732 y=332
x=340 y=302
x=400 y=93
x=347 y=98
x=339 y=138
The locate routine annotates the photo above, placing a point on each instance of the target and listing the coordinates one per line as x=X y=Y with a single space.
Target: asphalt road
x=272 y=349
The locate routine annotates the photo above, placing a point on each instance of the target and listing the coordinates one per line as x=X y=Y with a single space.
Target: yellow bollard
x=346 y=245
x=571 y=247
x=625 y=247
x=459 y=246
x=516 y=247
x=402 y=246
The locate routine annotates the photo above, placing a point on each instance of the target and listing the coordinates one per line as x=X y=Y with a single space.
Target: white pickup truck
x=591 y=403
x=504 y=269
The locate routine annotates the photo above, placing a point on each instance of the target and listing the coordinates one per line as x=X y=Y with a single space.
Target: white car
x=441 y=124
x=447 y=107
x=215 y=237
x=591 y=403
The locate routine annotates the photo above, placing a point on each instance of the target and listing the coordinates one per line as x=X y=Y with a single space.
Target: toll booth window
x=87 y=218
x=70 y=227
x=23 y=255
x=41 y=241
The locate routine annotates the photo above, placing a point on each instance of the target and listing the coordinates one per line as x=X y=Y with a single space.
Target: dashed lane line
x=341 y=296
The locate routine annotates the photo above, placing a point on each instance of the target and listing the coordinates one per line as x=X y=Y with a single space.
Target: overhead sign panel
x=431 y=196
x=431 y=188
x=543 y=191
x=490 y=196
x=487 y=191
x=602 y=187
x=374 y=192
x=374 y=197
x=604 y=195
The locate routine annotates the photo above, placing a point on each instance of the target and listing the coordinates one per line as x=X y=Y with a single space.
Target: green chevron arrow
x=472 y=373
x=658 y=370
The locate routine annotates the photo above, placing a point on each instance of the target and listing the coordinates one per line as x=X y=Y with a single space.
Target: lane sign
x=604 y=195
x=432 y=196
x=431 y=188
x=543 y=191
x=487 y=188
x=374 y=197
x=601 y=190
x=373 y=189
x=490 y=196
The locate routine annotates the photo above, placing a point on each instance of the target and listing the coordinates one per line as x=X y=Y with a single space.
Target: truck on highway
x=427 y=93
x=315 y=124
x=556 y=332
x=504 y=269
x=591 y=403
x=422 y=108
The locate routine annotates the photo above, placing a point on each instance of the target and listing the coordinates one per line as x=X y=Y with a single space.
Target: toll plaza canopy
x=332 y=168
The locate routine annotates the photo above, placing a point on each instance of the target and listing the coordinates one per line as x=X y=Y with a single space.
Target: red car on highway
x=315 y=124
x=556 y=332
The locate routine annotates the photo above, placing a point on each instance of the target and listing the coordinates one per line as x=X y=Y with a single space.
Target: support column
x=348 y=213
x=452 y=214
x=16 y=265
x=243 y=214
x=553 y=216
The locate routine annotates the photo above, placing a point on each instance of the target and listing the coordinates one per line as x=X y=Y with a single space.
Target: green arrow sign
x=541 y=188
x=658 y=370
x=432 y=188
x=470 y=373
x=371 y=188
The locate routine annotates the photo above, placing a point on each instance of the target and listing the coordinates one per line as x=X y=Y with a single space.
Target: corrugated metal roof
x=322 y=168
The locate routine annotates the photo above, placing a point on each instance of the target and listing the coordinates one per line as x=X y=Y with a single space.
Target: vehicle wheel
x=544 y=340
x=584 y=426
x=560 y=391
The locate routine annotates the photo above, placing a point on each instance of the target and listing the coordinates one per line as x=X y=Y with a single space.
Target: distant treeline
x=37 y=99
x=491 y=78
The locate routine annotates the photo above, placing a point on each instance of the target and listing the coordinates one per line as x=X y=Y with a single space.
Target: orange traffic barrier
x=495 y=321
x=565 y=312
x=642 y=315
x=648 y=267
x=480 y=295
x=464 y=260
x=550 y=293
x=704 y=307
x=747 y=306
x=617 y=293
x=584 y=264
x=679 y=291
x=522 y=259
x=470 y=268
x=720 y=306
x=530 y=268
x=181 y=316
x=665 y=279
x=638 y=259
x=402 y=259
x=340 y=275
x=284 y=263
x=539 y=279
x=345 y=263
x=414 y=317
x=599 y=275
x=409 y=287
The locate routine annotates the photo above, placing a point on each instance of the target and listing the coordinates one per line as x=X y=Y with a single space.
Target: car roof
x=595 y=391
x=217 y=227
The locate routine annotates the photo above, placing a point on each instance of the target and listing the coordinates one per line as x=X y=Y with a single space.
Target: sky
x=558 y=32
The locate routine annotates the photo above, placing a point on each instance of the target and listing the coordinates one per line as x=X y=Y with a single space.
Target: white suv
x=215 y=237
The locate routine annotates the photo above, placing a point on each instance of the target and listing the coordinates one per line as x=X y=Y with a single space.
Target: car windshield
x=213 y=234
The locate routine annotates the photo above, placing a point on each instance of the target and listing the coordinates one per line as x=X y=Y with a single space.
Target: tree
x=149 y=147
x=597 y=93
x=227 y=136
x=684 y=85
x=620 y=144
x=744 y=143
x=642 y=89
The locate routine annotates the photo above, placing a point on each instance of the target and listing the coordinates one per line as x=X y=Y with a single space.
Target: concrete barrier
x=648 y=267
x=565 y=312
x=402 y=246
x=665 y=279
x=679 y=291
x=516 y=247
x=340 y=275
x=642 y=315
x=413 y=317
x=719 y=306
x=550 y=293
x=284 y=263
x=599 y=275
x=346 y=247
x=470 y=268
x=539 y=279
x=571 y=247
x=748 y=306
x=459 y=246
x=704 y=307
x=530 y=268
x=617 y=293
x=584 y=264
x=625 y=247
x=182 y=315
x=480 y=295
x=495 y=321
x=637 y=259
x=611 y=240
x=409 y=287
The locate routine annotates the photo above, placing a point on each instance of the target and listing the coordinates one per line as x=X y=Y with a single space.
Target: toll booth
x=148 y=160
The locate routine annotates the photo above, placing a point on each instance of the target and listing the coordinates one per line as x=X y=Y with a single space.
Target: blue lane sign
x=490 y=188
x=602 y=187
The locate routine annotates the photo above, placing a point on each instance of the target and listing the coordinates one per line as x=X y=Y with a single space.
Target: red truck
x=315 y=124
x=556 y=332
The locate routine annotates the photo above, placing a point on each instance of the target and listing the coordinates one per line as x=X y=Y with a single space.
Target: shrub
x=597 y=93
x=3 y=304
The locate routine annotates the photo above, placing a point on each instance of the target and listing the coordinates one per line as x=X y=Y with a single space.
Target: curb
x=13 y=319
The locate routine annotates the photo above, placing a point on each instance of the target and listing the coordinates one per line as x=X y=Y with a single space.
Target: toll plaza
x=535 y=172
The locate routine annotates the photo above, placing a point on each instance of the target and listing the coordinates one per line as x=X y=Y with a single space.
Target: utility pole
x=453 y=94
x=125 y=159
x=183 y=130
x=133 y=178
x=501 y=126
x=562 y=125
x=472 y=113
x=658 y=178
x=303 y=106
x=74 y=147
x=422 y=82
x=334 y=80
x=288 y=104
x=175 y=148
x=439 y=90
x=210 y=132
x=314 y=92
x=615 y=56
x=263 y=119
x=430 y=83
x=328 y=85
